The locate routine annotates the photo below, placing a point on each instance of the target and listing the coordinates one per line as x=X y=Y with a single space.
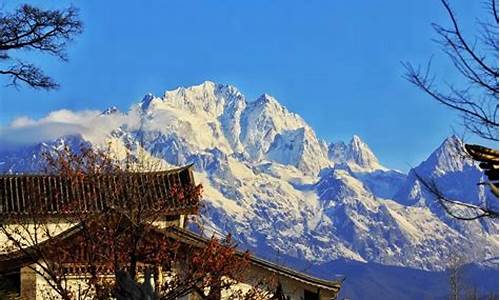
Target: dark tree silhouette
x=476 y=99
x=33 y=29
x=476 y=61
x=456 y=208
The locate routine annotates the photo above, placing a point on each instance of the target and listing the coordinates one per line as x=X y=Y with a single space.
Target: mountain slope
x=281 y=190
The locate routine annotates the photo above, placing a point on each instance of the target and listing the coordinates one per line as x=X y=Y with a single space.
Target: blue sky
x=336 y=63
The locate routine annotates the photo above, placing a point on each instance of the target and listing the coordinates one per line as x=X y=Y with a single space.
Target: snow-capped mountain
x=281 y=190
x=356 y=154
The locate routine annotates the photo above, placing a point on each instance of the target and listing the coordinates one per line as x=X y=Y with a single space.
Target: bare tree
x=461 y=287
x=476 y=61
x=33 y=29
x=476 y=99
x=455 y=271
x=460 y=208
x=456 y=208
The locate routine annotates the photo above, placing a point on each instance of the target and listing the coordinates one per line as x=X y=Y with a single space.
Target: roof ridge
x=169 y=171
x=284 y=270
x=20 y=193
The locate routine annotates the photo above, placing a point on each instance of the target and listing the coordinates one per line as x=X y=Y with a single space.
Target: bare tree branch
x=473 y=211
x=29 y=74
x=31 y=28
x=477 y=100
x=463 y=44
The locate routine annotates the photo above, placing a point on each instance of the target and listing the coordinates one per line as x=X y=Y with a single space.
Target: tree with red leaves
x=120 y=241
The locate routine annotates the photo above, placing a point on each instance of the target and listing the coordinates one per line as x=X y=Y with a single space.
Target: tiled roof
x=12 y=261
x=20 y=194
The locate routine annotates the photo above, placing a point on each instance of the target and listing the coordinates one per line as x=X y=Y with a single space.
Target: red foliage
x=121 y=234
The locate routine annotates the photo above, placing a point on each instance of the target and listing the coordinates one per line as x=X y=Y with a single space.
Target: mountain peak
x=448 y=157
x=452 y=142
x=146 y=101
x=356 y=140
x=260 y=165
x=110 y=110
x=266 y=98
x=299 y=148
x=357 y=144
x=208 y=98
x=208 y=83
x=357 y=154
x=266 y=102
x=206 y=86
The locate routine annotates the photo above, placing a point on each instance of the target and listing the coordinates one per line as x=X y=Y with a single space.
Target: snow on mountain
x=298 y=148
x=29 y=158
x=280 y=190
x=382 y=183
x=457 y=178
x=218 y=116
x=384 y=231
x=448 y=157
x=110 y=110
x=356 y=154
x=449 y=168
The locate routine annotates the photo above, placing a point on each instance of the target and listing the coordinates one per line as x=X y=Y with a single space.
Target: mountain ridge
x=270 y=179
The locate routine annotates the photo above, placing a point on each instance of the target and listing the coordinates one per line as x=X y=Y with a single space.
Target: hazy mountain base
x=376 y=281
x=369 y=281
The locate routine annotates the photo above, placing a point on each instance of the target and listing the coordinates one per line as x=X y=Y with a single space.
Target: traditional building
x=60 y=202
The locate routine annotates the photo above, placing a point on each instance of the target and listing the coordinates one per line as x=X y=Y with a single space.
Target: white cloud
x=68 y=116
x=87 y=123
x=22 y=122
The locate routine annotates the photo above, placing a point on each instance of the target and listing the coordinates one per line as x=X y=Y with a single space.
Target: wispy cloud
x=88 y=123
